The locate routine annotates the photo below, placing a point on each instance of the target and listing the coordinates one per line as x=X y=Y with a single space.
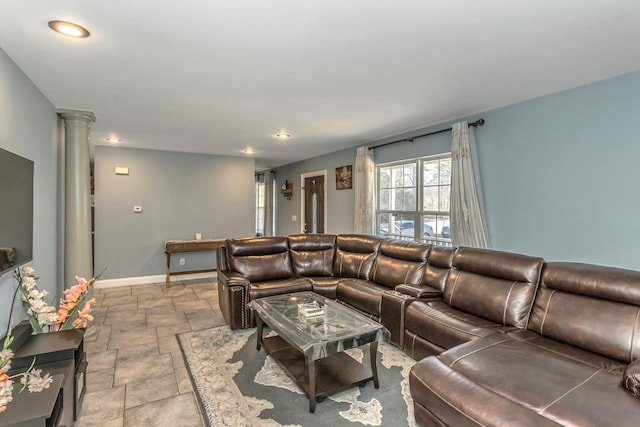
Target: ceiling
x=213 y=76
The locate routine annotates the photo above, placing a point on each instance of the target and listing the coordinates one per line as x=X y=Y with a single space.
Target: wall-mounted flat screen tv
x=16 y=211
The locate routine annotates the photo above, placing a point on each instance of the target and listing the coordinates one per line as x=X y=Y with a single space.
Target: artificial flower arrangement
x=31 y=378
x=73 y=312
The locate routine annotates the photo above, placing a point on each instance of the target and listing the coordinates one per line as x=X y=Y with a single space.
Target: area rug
x=239 y=386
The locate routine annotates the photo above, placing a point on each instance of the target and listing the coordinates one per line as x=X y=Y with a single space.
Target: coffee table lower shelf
x=331 y=374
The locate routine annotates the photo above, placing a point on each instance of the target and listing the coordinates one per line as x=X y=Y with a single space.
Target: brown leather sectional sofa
x=501 y=339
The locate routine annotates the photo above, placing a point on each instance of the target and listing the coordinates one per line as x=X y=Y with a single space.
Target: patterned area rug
x=239 y=386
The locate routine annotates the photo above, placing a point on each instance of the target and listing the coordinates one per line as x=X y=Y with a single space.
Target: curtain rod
x=477 y=123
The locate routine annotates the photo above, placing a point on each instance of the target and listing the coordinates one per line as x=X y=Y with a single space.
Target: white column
x=78 y=249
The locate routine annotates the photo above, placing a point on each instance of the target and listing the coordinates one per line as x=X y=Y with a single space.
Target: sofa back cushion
x=260 y=258
x=498 y=286
x=591 y=307
x=438 y=265
x=399 y=262
x=355 y=255
x=312 y=254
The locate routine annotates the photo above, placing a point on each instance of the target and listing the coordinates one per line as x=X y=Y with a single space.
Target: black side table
x=41 y=409
x=57 y=353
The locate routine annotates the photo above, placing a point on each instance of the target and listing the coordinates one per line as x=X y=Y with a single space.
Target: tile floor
x=136 y=374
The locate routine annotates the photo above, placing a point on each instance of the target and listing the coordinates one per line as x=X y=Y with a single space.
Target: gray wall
x=340 y=203
x=181 y=194
x=559 y=173
x=29 y=128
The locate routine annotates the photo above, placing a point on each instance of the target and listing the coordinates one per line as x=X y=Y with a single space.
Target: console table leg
x=259 y=327
x=168 y=269
x=373 y=351
x=313 y=376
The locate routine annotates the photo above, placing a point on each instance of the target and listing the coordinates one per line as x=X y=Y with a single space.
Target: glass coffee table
x=313 y=333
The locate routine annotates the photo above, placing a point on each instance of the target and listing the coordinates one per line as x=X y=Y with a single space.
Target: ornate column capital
x=79 y=115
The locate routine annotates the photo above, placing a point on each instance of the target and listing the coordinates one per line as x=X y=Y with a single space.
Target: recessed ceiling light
x=113 y=140
x=248 y=150
x=68 y=29
x=283 y=135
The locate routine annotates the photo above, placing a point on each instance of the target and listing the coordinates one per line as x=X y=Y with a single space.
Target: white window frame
x=260 y=207
x=416 y=215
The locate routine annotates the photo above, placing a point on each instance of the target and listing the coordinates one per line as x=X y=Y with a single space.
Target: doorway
x=313 y=198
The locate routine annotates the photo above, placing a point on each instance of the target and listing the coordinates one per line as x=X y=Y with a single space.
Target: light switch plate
x=137 y=209
x=122 y=171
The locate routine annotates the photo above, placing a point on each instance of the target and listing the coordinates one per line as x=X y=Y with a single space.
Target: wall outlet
x=294 y=218
x=183 y=261
x=198 y=236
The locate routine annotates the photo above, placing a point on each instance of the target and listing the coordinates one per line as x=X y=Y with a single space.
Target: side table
x=41 y=409
x=60 y=353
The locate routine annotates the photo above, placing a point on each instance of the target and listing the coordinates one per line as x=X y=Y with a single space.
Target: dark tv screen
x=16 y=211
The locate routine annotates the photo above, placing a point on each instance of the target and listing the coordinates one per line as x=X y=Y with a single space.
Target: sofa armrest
x=631 y=377
x=230 y=277
x=233 y=296
x=419 y=291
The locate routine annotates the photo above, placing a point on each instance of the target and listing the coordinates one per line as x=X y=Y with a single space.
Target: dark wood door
x=314 y=204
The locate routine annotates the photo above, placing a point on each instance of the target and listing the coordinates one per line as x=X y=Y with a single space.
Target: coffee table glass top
x=315 y=325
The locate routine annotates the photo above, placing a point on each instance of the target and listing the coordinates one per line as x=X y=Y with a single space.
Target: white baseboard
x=146 y=280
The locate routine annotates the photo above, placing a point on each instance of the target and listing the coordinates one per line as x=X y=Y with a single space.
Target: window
x=415 y=192
x=260 y=207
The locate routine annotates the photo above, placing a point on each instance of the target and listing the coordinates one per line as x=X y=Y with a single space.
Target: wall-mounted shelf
x=287 y=189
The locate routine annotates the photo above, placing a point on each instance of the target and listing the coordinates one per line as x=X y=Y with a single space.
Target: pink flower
x=72 y=294
x=84 y=315
x=82 y=283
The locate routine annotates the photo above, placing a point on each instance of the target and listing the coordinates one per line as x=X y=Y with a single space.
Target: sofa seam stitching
x=570 y=391
x=506 y=304
x=478 y=350
x=563 y=355
x=454 y=287
x=546 y=309
x=633 y=334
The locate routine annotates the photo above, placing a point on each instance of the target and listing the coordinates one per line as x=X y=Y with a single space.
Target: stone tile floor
x=136 y=374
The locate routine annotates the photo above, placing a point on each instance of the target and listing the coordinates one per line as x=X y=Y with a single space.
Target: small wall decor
x=344 y=177
x=287 y=189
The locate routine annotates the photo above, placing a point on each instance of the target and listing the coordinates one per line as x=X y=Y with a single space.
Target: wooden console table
x=174 y=246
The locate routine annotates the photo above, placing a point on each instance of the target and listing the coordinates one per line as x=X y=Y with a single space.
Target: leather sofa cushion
x=499 y=286
x=439 y=263
x=312 y=254
x=442 y=394
x=571 y=352
x=361 y=294
x=260 y=259
x=278 y=287
x=256 y=246
x=591 y=307
x=399 y=262
x=445 y=326
x=325 y=286
x=355 y=255
x=548 y=383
